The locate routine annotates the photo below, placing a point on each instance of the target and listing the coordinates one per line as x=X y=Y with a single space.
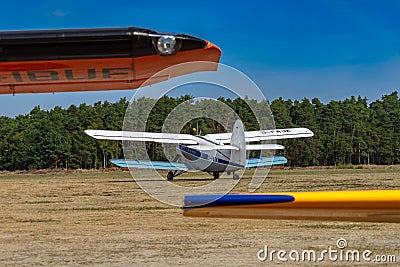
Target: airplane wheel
x=170 y=176
x=216 y=175
x=235 y=176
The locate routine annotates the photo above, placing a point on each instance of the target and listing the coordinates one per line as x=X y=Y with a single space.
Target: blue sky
x=294 y=49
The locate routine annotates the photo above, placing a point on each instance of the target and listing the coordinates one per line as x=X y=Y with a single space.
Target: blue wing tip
x=234 y=200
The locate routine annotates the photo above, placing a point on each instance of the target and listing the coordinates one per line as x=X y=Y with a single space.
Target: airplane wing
x=358 y=206
x=262 y=135
x=72 y=60
x=170 y=138
x=265 y=161
x=229 y=147
x=146 y=164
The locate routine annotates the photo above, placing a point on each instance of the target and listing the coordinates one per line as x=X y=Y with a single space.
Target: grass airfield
x=105 y=219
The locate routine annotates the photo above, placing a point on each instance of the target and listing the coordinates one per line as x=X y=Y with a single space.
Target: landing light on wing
x=166 y=45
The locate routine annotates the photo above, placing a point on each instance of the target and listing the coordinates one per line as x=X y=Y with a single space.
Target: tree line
x=351 y=131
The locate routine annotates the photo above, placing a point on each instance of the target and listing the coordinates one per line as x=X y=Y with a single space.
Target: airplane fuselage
x=208 y=161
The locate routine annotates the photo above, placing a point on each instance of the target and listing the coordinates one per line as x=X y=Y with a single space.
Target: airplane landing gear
x=235 y=176
x=170 y=176
x=216 y=175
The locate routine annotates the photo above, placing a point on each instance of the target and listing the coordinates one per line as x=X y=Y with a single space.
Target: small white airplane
x=212 y=153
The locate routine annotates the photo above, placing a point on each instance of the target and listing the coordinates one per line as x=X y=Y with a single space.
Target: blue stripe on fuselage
x=198 y=154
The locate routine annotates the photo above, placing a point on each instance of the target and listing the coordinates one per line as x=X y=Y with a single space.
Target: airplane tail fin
x=238 y=140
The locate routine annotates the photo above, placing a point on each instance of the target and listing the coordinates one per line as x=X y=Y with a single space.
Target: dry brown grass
x=105 y=219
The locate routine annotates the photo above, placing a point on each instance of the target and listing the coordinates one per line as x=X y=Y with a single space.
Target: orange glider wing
x=356 y=206
x=48 y=61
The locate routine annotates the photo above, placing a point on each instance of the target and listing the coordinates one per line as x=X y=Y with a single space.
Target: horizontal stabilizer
x=147 y=164
x=264 y=147
x=265 y=161
x=170 y=138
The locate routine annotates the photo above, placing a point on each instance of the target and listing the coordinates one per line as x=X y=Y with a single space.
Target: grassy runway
x=105 y=219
